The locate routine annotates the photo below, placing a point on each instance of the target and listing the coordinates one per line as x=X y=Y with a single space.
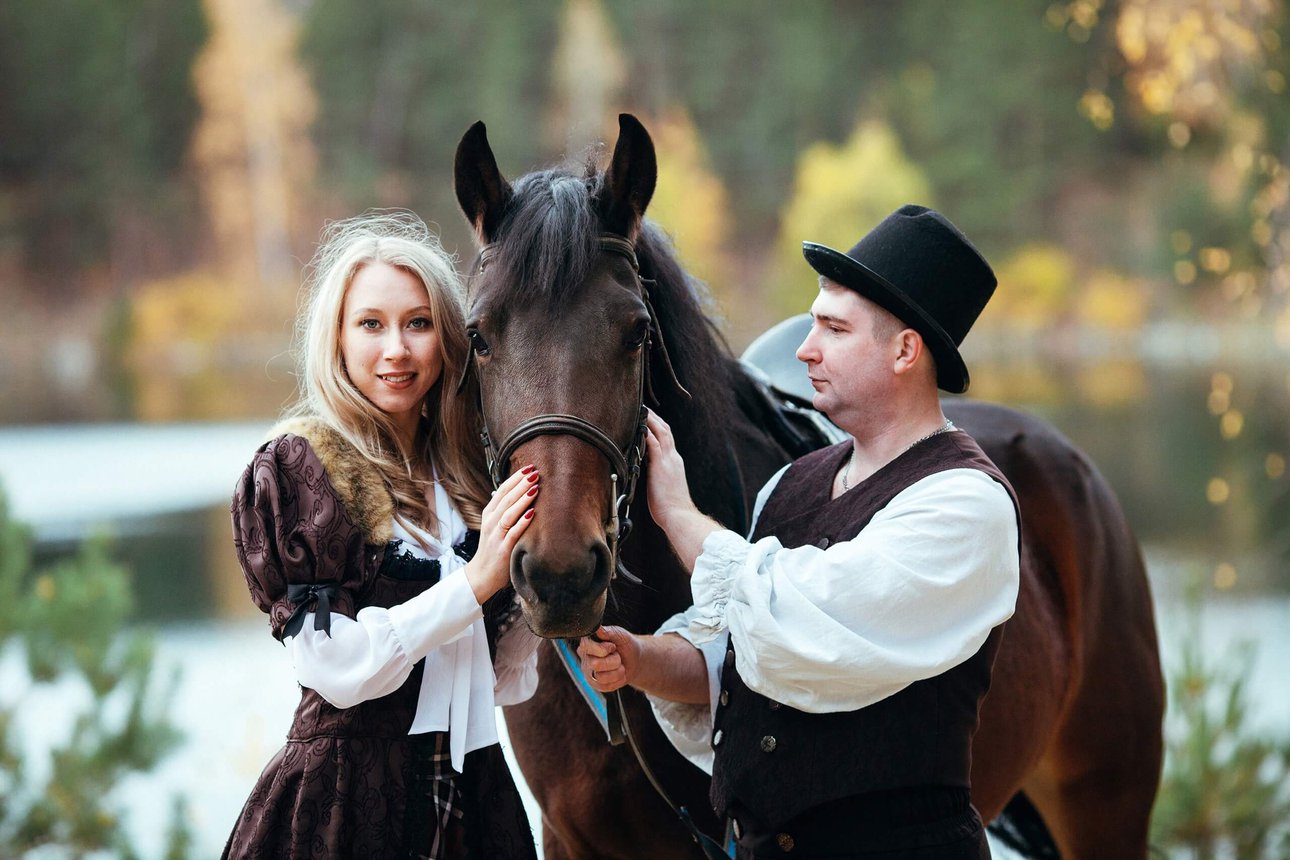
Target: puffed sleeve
x=299 y=548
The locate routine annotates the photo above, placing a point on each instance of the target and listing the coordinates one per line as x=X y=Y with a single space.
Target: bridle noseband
x=624 y=466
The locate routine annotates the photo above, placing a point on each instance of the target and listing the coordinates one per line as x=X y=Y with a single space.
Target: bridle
x=624 y=470
x=624 y=466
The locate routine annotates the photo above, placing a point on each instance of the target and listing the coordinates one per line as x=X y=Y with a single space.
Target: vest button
x=773 y=705
x=823 y=543
x=716 y=738
x=785 y=842
x=730 y=657
x=725 y=698
x=769 y=743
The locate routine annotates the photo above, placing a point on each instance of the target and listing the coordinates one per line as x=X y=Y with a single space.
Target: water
x=65 y=481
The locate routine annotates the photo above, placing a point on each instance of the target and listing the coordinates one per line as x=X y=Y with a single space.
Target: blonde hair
x=448 y=437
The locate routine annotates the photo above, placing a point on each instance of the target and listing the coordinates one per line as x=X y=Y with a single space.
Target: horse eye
x=638 y=334
x=478 y=344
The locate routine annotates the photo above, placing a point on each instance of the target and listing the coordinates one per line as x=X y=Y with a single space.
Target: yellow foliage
x=1035 y=288
x=1098 y=109
x=251 y=148
x=1218 y=491
x=1275 y=465
x=839 y=194
x=1231 y=424
x=190 y=308
x=587 y=75
x=1111 y=300
x=1178 y=51
x=1004 y=381
x=1110 y=384
x=188 y=337
x=690 y=203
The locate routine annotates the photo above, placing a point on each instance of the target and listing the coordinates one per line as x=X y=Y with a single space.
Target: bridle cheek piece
x=624 y=466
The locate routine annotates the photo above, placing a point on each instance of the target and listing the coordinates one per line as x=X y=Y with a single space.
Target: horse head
x=560 y=327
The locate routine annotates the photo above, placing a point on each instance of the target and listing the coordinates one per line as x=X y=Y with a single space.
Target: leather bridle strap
x=556 y=424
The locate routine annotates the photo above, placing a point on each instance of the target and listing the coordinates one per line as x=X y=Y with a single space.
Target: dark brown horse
x=561 y=326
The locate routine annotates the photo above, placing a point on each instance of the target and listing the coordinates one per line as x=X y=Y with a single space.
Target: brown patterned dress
x=352 y=782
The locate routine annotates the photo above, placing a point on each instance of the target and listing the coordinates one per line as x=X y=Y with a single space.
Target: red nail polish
x=533 y=477
x=526 y=469
x=532 y=492
x=528 y=515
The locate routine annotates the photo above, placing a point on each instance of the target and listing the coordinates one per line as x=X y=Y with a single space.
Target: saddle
x=778 y=396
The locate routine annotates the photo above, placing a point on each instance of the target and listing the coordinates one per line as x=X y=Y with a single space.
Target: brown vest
x=775 y=762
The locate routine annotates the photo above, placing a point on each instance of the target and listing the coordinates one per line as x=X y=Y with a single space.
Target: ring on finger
x=593 y=675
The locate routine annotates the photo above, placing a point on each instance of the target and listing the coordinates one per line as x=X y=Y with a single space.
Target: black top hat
x=920 y=267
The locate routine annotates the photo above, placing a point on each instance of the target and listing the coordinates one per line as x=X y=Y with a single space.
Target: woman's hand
x=610 y=659
x=502 y=522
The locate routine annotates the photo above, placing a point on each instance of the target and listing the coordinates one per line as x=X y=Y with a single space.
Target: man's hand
x=611 y=659
x=666 y=666
x=665 y=483
x=670 y=504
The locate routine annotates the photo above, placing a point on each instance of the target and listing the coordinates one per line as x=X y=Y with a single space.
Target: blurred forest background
x=166 y=167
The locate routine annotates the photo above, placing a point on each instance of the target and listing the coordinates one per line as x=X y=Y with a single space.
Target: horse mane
x=699 y=354
x=547 y=242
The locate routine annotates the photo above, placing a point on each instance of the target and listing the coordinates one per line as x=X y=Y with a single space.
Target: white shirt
x=913 y=595
x=372 y=655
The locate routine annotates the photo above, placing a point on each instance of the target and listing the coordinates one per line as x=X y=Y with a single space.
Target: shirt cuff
x=714 y=571
x=439 y=615
x=515 y=667
x=688 y=726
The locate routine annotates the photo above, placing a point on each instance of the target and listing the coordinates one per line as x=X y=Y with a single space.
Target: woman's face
x=389 y=342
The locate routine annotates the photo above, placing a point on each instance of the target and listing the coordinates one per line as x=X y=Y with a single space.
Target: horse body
x=1073 y=717
x=1074 y=712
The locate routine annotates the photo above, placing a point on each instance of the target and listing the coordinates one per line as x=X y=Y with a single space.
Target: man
x=835 y=662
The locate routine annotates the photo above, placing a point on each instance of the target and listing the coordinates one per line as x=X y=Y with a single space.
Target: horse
x=579 y=313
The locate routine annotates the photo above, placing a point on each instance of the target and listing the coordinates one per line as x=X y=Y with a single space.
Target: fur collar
x=357 y=481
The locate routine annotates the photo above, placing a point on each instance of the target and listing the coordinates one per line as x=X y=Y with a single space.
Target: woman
x=366 y=531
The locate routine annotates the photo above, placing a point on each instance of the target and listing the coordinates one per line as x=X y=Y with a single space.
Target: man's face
x=849 y=367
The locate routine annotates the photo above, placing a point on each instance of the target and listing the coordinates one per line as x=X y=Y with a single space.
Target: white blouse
x=371 y=656
x=913 y=595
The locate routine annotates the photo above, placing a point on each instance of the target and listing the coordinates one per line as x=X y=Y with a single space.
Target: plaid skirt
x=436 y=826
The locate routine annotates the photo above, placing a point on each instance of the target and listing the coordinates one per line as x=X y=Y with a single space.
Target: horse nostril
x=602 y=562
x=518 y=577
x=570 y=581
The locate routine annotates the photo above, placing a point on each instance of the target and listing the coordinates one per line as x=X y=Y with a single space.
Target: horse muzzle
x=562 y=593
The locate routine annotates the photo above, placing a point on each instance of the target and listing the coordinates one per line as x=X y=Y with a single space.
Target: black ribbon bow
x=301 y=596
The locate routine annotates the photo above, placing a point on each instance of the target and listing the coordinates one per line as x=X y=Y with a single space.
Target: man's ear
x=909 y=350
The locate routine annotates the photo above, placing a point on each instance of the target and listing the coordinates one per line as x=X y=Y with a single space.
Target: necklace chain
x=944 y=428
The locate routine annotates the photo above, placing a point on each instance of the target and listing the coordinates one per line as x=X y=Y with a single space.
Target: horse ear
x=629 y=182
x=481 y=190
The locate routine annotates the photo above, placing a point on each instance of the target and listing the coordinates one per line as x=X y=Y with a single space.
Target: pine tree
x=74 y=672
